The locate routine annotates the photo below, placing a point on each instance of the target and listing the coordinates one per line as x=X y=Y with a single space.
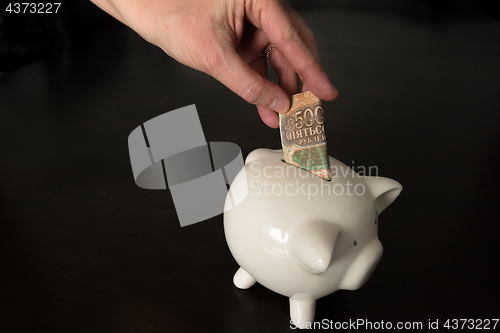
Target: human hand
x=228 y=39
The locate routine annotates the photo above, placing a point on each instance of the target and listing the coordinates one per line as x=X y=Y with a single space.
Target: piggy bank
x=300 y=235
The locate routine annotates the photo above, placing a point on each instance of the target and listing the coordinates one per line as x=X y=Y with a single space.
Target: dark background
x=83 y=249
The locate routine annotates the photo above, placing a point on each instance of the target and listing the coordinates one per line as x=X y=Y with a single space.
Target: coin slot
x=328 y=180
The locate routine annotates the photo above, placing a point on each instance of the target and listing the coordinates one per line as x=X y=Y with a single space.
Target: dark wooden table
x=83 y=249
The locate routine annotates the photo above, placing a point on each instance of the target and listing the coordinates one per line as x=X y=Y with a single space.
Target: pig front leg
x=242 y=279
x=302 y=308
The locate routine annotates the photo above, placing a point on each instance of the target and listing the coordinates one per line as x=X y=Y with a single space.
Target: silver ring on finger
x=269 y=50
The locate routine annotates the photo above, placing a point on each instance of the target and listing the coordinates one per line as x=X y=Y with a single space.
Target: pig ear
x=383 y=190
x=312 y=244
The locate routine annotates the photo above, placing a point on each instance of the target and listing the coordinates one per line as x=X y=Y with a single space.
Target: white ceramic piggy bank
x=302 y=236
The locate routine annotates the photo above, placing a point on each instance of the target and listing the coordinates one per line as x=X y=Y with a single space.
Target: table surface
x=83 y=249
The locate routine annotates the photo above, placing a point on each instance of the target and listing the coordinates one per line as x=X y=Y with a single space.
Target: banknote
x=303 y=135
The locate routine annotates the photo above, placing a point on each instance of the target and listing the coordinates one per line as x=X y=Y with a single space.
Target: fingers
x=305 y=33
x=252 y=45
x=268 y=116
x=230 y=69
x=300 y=52
x=288 y=79
x=252 y=50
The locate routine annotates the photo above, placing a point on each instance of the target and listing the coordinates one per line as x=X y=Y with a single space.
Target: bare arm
x=228 y=39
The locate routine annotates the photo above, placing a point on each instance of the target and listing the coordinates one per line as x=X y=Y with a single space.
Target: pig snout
x=363 y=266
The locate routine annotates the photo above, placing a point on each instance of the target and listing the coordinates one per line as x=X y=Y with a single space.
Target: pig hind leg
x=242 y=279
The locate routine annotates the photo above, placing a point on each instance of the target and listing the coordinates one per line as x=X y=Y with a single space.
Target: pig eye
x=355 y=243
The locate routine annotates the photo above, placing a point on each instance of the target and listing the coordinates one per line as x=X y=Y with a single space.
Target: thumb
x=232 y=71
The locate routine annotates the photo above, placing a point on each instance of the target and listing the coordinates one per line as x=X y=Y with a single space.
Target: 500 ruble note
x=303 y=135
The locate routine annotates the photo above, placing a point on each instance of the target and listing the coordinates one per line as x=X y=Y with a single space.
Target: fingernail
x=279 y=105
